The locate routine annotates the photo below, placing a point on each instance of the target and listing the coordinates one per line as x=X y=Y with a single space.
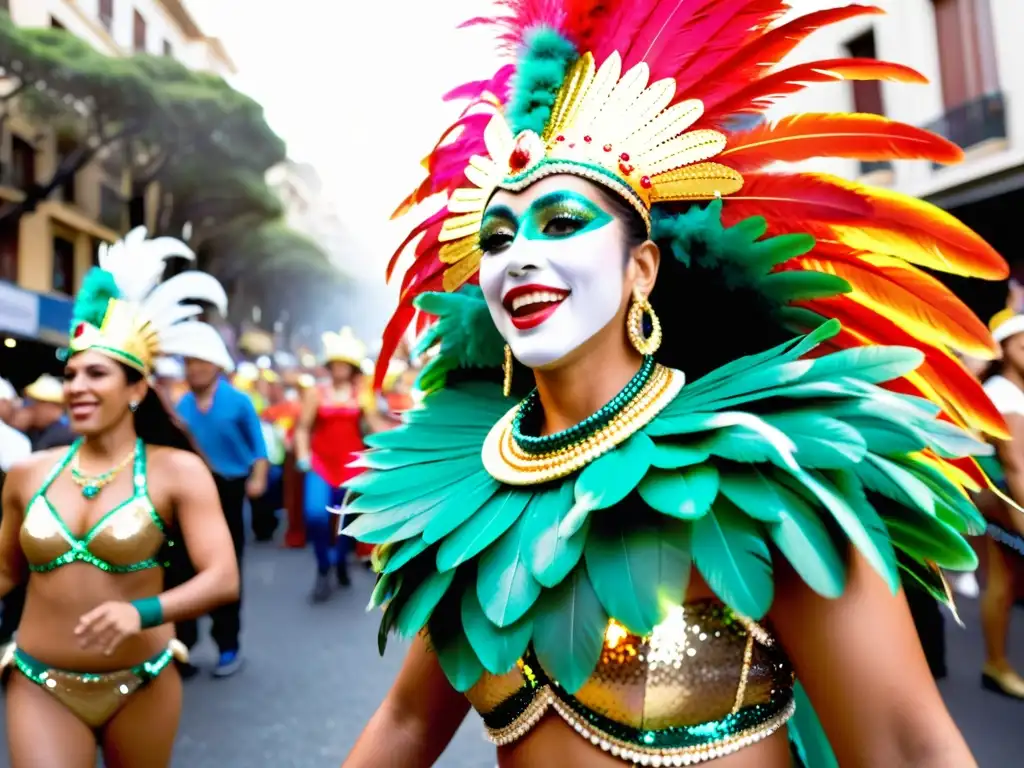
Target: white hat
x=7 y=391
x=169 y=368
x=1008 y=328
x=46 y=389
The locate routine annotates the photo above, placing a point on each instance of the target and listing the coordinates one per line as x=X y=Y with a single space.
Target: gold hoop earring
x=506 y=387
x=645 y=345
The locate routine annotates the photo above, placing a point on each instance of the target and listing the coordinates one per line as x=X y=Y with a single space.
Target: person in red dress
x=328 y=437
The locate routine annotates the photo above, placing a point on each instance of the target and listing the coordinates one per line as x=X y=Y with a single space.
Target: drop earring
x=645 y=345
x=506 y=387
x=133 y=406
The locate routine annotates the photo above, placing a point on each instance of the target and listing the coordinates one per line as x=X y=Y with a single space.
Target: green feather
x=808 y=735
x=552 y=554
x=544 y=62
x=466 y=335
x=505 y=587
x=98 y=288
x=784 y=287
x=730 y=552
x=458 y=661
x=404 y=553
x=756 y=491
x=639 y=572
x=821 y=442
x=896 y=482
x=802 y=537
x=383 y=591
x=422 y=602
x=460 y=506
x=482 y=529
x=610 y=478
x=569 y=629
x=498 y=649
x=928 y=539
x=685 y=494
x=674 y=455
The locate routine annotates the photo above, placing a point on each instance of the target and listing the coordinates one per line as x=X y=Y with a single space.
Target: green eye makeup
x=555 y=216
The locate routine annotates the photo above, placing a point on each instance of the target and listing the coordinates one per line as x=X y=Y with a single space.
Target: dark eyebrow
x=559 y=196
x=500 y=210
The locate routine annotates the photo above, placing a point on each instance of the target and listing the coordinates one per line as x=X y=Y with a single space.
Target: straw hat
x=46 y=389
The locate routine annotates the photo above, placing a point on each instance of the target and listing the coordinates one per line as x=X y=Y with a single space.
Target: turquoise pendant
x=91 y=491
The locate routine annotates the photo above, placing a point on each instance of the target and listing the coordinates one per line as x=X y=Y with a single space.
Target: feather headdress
x=641 y=97
x=124 y=310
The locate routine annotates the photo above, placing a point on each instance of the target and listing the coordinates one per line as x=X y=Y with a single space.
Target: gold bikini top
x=124 y=540
x=704 y=684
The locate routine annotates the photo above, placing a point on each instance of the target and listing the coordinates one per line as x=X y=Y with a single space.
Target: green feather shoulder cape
x=773 y=451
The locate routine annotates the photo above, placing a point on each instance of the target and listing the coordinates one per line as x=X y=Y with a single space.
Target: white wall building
x=971 y=53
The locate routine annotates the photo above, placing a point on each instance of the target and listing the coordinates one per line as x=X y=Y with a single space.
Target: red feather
x=792 y=198
x=862 y=137
x=919 y=303
x=713 y=80
x=952 y=384
x=764 y=93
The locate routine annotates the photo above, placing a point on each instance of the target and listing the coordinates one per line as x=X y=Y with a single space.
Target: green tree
x=54 y=76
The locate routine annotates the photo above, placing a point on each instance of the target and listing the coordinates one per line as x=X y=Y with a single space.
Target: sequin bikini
x=126 y=539
x=703 y=684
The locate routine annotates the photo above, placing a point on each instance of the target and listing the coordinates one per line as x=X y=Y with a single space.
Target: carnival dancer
x=617 y=567
x=92 y=666
x=328 y=436
x=1004 y=384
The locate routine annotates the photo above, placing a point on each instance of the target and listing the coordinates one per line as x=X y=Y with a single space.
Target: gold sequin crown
x=125 y=334
x=613 y=129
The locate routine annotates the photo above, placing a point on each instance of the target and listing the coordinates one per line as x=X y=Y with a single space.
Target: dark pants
x=265 y=508
x=227 y=620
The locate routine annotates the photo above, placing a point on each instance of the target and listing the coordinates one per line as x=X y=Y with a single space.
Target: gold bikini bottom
x=93 y=697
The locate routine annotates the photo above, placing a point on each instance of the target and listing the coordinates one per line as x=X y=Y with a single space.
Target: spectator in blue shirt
x=226 y=428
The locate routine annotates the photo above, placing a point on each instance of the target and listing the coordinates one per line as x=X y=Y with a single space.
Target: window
x=867 y=94
x=63 y=266
x=107 y=14
x=168 y=49
x=967 y=63
x=112 y=208
x=9 y=251
x=139 y=34
x=23 y=163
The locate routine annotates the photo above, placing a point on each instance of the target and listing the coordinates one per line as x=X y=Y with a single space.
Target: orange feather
x=918 y=232
x=942 y=377
x=919 y=303
x=794 y=199
x=858 y=136
x=762 y=94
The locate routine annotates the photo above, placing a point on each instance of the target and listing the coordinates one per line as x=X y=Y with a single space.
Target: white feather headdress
x=125 y=311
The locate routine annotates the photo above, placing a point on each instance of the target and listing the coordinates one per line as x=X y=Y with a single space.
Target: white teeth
x=537 y=297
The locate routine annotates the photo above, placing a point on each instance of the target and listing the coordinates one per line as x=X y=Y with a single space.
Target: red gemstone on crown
x=645 y=182
x=587 y=139
x=624 y=157
x=559 y=137
x=626 y=168
x=607 y=147
x=79 y=330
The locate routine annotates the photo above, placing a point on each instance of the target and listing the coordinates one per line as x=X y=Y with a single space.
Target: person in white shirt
x=14 y=446
x=1004 y=384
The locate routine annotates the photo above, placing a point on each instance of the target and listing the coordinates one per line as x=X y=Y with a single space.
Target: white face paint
x=552 y=268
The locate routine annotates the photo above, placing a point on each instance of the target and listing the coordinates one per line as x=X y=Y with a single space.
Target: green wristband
x=151 y=613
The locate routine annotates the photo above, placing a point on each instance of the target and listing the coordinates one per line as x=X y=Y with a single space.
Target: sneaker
x=343 y=579
x=228 y=663
x=321 y=589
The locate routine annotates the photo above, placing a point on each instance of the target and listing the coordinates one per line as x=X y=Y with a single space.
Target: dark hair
x=155 y=421
x=689 y=298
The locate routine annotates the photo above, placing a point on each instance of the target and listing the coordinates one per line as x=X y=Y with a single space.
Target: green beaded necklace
x=528 y=417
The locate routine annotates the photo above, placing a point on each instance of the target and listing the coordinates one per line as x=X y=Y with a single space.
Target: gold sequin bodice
x=704 y=683
x=125 y=539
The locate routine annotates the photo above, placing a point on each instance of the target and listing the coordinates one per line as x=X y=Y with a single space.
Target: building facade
x=45 y=254
x=971 y=54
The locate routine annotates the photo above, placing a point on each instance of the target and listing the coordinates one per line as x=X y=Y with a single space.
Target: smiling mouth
x=530 y=306
x=82 y=410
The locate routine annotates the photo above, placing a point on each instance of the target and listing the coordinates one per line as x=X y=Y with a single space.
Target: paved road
x=314 y=677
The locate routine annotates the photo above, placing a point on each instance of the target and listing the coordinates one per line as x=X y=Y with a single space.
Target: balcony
x=975 y=122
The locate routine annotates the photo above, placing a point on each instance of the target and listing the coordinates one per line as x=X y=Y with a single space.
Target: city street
x=314 y=677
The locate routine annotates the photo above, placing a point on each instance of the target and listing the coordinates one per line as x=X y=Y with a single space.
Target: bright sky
x=354 y=88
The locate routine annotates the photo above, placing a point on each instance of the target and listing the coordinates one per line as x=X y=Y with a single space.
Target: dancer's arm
x=12 y=559
x=304 y=427
x=1011 y=457
x=860 y=660
x=417 y=720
